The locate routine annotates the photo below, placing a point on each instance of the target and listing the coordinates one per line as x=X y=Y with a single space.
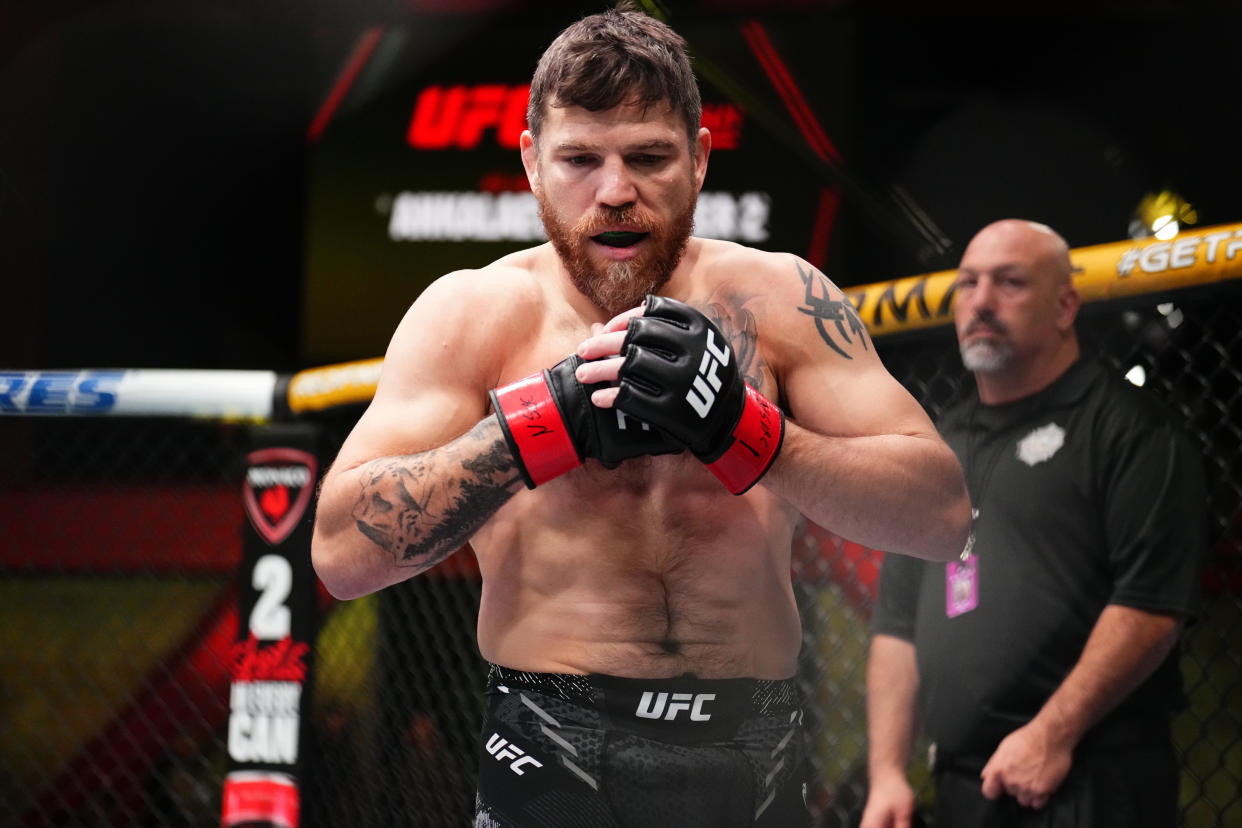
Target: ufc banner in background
x=272 y=656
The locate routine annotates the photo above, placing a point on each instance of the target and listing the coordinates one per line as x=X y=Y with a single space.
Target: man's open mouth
x=620 y=238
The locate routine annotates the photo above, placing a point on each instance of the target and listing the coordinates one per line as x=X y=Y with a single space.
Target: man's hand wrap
x=551 y=425
x=680 y=374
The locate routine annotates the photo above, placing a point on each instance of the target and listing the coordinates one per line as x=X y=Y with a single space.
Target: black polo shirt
x=1087 y=495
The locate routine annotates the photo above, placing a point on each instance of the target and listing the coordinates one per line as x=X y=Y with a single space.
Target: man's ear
x=702 y=148
x=1068 y=302
x=530 y=158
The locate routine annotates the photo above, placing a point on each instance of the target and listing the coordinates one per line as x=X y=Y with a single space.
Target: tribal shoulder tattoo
x=420 y=522
x=835 y=319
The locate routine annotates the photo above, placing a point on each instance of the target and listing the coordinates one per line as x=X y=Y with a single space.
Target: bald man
x=1042 y=663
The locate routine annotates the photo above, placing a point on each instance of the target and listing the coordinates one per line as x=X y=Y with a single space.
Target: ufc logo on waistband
x=504 y=750
x=661 y=705
x=706 y=383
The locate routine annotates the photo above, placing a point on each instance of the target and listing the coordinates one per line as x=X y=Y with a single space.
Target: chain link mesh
x=121 y=541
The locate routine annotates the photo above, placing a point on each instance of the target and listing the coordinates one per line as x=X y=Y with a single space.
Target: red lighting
x=725 y=123
x=456 y=117
x=460 y=116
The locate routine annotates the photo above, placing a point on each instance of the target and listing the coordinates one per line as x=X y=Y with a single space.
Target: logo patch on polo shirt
x=1041 y=444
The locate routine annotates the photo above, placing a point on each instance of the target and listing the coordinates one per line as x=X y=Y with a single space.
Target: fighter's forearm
x=899 y=493
x=423 y=507
x=394 y=517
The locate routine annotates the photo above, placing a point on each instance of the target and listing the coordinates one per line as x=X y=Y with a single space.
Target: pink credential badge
x=961 y=582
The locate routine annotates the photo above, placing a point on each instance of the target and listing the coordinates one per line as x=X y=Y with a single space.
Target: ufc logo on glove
x=676 y=355
x=701 y=397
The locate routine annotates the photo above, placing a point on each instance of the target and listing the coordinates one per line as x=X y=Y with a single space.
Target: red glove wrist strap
x=535 y=429
x=757 y=439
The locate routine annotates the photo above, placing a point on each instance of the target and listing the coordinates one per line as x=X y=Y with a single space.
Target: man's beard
x=618 y=286
x=985 y=357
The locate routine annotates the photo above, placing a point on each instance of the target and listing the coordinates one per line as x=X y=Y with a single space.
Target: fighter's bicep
x=394 y=426
x=862 y=399
x=422 y=401
x=832 y=379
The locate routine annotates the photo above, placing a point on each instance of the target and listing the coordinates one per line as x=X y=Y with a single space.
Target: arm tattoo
x=825 y=309
x=405 y=512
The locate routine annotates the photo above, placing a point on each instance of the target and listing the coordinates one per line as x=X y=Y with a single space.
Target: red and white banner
x=271 y=656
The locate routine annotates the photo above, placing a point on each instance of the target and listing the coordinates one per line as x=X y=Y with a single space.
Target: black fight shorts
x=570 y=751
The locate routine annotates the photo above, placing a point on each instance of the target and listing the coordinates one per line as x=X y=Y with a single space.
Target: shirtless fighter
x=627 y=425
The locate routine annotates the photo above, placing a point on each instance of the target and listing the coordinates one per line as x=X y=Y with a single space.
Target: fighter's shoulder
x=495 y=285
x=739 y=269
x=789 y=297
x=505 y=289
x=455 y=332
x=721 y=256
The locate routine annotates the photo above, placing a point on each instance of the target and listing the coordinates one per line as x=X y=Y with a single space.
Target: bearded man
x=627 y=425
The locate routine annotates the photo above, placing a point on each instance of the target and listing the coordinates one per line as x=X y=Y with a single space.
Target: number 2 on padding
x=273 y=578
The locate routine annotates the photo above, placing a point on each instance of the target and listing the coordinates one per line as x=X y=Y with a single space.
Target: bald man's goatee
x=985 y=357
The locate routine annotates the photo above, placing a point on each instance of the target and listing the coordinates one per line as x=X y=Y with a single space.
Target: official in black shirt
x=1043 y=661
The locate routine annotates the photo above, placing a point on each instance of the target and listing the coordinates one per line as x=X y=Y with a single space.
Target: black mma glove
x=551 y=425
x=681 y=375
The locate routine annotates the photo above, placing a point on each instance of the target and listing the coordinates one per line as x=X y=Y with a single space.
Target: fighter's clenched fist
x=552 y=427
x=680 y=375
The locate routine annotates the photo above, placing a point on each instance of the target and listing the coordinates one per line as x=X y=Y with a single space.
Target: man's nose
x=616 y=186
x=983 y=296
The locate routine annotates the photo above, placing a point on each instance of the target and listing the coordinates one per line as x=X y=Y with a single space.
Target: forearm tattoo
x=421 y=508
x=840 y=312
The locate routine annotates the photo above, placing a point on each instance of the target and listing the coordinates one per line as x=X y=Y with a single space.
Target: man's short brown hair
x=618 y=56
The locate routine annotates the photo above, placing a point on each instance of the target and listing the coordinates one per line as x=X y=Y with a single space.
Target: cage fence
x=121 y=539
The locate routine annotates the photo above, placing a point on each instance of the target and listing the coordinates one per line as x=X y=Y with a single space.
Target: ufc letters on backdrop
x=271 y=658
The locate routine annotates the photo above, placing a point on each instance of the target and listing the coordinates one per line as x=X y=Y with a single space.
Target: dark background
x=154 y=158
